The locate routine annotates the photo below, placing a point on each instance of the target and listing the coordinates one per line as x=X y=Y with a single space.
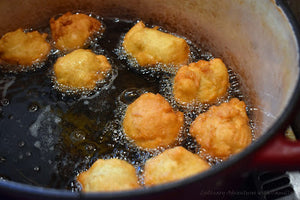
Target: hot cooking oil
x=49 y=135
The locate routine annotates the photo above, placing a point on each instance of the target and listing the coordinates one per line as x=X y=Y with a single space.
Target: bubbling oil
x=58 y=133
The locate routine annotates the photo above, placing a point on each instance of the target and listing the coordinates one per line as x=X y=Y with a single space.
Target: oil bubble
x=75 y=186
x=15 y=69
x=37 y=144
x=129 y=95
x=4 y=102
x=4 y=178
x=36 y=169
x=33 y=107
x=90 y=147
x=2 y=159
x=77 y=136
x=28 y=153
x=21 y=144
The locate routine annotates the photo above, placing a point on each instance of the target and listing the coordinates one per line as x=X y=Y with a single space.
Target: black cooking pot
x=257 y=39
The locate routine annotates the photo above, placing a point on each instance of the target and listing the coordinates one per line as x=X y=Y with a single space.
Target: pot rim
x=21 y=189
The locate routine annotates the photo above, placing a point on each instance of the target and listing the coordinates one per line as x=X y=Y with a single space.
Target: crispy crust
x=109 y=175
x=81 y=69
x=150 y=46
x=173 y=164
x=22 y=48
x=204 y=81
x=151 y=122
x=71 y=31
x=223 y=130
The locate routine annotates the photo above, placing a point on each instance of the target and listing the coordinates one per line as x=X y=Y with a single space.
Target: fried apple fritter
x=223 y=130
x=150 y=46
x=204 y=81
x=72 y=31
x=109 y=175
x=81 y=69
x=20 y=48
x=171 y=165
x=151 y=121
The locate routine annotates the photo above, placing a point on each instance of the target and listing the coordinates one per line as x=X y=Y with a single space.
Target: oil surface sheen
x=48 y=137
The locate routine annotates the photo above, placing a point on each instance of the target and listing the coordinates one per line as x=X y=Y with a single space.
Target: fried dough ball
x=71 y=31
x=173 y=164
x=22 y=48
x=223 y=130
x=151 y=121
x=81 y=69
x=204 y=81
x=150 y=46
x=109 y=175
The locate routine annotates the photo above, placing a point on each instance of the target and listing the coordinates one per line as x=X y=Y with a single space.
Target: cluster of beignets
x=151 y=122
x=223 y=130
x=150 y=46
x=22 y=48
x=171 y=165
x=81 y=69
x=108 y=175
x=204 y=81
x=72 y=31
x=69 y=32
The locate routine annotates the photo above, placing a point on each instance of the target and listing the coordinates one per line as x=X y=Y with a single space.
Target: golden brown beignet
x=204 y=81
x=150 y=46
x=151 y=121
x=22 y=48
x=108 y=175
x=171 y=165
x=81 y=69
x=72 y=31
x=223 y=130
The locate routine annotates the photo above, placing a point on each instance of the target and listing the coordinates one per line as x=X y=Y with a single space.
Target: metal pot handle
x=279 y=153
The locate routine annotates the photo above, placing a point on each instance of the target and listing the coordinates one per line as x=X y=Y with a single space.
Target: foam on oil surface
x=68 y=130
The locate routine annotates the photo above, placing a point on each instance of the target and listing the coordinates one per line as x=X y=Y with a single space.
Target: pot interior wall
x=254 y=38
